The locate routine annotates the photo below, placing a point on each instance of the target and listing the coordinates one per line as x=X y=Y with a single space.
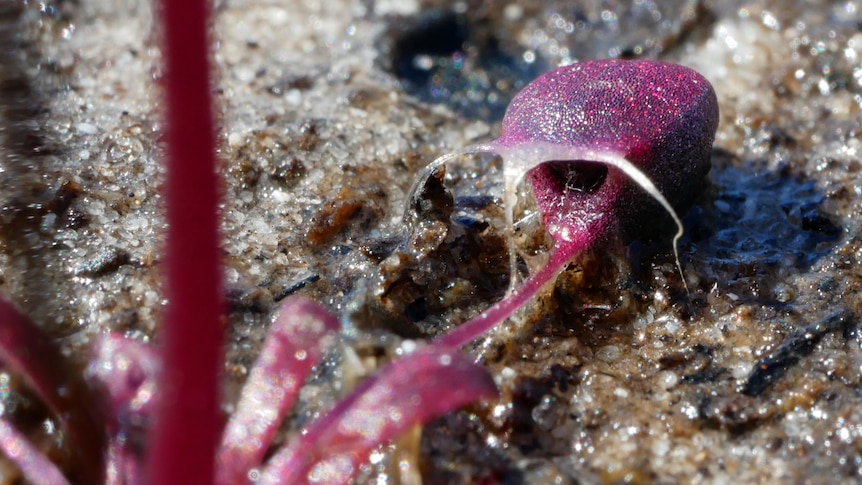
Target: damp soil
x=328 y=110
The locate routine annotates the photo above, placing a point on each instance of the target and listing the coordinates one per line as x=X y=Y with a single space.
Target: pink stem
x=35 y=466
x=409 y=391
x=478 y=325
x=124 y=467
x=183 y=443
x=294 y=345
x=28 y=351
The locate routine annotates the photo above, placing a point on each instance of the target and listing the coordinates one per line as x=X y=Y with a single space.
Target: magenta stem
x=35 y=465
x=29 y=351
x=185 y=434
x=478 y=325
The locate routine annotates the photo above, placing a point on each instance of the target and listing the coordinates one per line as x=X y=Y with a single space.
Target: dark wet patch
x=761 y=226
x=463 y=435
x=528 y=394
x=442 y=57
x=476 y=61
x=36 y=199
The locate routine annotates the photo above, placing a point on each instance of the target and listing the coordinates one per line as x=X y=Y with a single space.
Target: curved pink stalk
x=35 y=466
x=29 y=352
x=409 y=391
x=294 y=345
x=186 y=429
x=503 y=309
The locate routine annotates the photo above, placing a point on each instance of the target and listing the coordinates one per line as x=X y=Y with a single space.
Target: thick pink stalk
x=294 y=345
x=182 y=446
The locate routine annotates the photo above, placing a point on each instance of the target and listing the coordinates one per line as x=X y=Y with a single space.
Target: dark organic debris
x=289 y=173
x=433 y=200
x=310 y=137
x=736 y=413
x=471 y=222
x=296 y=286
x=474 y=202
x=706 y=375
x=527 y=396
x=788 y=354
x=251 y=299
x=334 y=215
x=380 y=248
x=807 y=216
x=447 y=441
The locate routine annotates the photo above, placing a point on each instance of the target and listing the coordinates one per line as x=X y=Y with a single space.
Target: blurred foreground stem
x=183 y=443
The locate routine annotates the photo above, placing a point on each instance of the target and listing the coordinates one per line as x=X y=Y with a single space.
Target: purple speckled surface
x=662 y=117
x=628 y=107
